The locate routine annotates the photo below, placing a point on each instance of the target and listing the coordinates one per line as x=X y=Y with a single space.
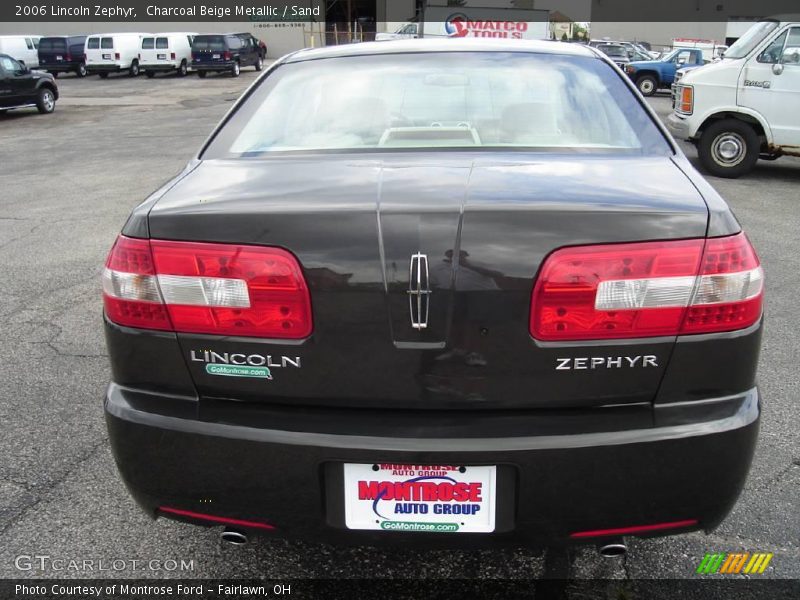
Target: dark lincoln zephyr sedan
x=466 y=292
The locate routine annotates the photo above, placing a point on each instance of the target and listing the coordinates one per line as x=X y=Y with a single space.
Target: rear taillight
x=647 y=289
x=227 y=56
x=217 y=289
x=68 y=58
x=172 y=56
x=194 y=55
x=116 y=55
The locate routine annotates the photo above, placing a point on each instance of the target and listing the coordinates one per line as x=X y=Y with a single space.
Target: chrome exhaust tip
x=234 y=538
x=612 y=549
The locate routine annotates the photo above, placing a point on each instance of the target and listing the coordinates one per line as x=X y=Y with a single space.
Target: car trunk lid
x=483 y=225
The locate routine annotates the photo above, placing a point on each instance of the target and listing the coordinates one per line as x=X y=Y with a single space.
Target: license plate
x=106 y=57
x=423 y=498
x=162 y=57
x=59 y=58
x=215 y=56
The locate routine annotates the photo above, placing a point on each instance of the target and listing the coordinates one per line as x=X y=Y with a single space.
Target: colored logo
x=459 y=25
x=733 y=563
x=456 y=25
x=239 y=371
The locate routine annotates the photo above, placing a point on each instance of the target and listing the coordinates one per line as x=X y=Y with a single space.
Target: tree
x=564 y=37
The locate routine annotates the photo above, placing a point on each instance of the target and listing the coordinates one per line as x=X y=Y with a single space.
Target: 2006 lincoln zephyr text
x=453 y=291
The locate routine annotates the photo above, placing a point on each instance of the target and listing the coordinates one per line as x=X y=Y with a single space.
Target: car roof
x=443 y=45
x=114 y=33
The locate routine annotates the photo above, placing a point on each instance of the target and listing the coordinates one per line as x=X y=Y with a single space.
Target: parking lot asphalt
x=67 y=183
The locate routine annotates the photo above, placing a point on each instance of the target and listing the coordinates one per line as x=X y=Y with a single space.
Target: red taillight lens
x=116 y=55
x=729 y=292
x=172 y=56
x=217 y=289
x=130 y=287
x=647 y=289
x=227 y=56
x=68 y=58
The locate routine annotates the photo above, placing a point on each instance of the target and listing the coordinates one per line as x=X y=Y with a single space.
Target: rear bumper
x=217 y=66
x=549 y=486
x=59 y=67
x=93 y=68
x=161 y=67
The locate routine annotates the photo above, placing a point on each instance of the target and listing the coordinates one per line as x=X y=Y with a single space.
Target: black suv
x=63 y=54
x=21 y=87
x=226 y=52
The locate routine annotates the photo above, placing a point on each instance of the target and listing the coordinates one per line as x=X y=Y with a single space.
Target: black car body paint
x=589 y=447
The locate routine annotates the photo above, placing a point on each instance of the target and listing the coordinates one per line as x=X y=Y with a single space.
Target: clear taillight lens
x=647 y=289
x=217 y=289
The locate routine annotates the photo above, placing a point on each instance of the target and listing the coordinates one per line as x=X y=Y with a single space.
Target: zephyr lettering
x=606 y=362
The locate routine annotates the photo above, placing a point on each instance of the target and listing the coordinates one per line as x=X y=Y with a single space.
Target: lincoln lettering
x=605 y=362
x=253 y=360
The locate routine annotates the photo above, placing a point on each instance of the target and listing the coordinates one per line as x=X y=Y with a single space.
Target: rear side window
x=162 y=43
x=234 y=43
x=107 y=43
x=215 y=43
x=147 y=43
x=9 y=65
x=29 y=43
x=93 y=44
x=476 y=100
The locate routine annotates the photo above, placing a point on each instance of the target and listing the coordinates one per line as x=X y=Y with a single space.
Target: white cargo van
x=113 y=53
x=745 y=106
x=405 y=32
x=166 y=52
x=24 y=48
x=711 y=49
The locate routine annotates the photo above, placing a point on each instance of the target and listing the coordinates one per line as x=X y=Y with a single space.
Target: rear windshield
x=147 y=43
x=52 y=45
x=613 y=50
x=93 y=43
x=162 y=43
x=209 y=42
x=107 y=43
x=441 y=100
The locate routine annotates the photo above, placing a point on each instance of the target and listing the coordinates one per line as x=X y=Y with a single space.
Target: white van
x=113 y=53
x=405 y=32
x=166 y=52
x=24 y=48
x=745 y=106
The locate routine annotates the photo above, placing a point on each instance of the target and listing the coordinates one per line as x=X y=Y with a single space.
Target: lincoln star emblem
x=418 y=291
